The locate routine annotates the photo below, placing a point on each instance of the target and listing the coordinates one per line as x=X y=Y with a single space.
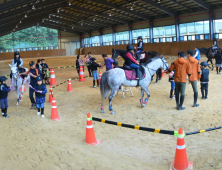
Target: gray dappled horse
x=112 y=79
x=17 y=81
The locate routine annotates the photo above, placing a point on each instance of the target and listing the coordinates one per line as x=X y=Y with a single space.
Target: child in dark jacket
x=94 y=66
x=4 y=90
x=204 y=80
x=171 y=80
x=40 y=96
x=115 y=64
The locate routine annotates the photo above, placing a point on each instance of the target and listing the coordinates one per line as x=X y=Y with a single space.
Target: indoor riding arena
x=53 y=115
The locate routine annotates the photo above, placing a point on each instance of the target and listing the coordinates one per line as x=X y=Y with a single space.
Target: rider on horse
x=139 y=47
x=130 y=61
x=18 y=61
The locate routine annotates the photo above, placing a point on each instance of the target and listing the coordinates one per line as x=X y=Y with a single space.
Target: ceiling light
x=16 y=26
x=58 y=11
x=110 y=14
x=49 y=16
x=81 y=23
x=70 y=4
x=72 y=27
x=33 y=7
x=43 y=20
x=158 y=2
x=131 y=8
x=94 y=19
x=25 y=16
x=20 y=22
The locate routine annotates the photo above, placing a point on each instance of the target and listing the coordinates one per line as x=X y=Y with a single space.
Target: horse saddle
x=131 y=73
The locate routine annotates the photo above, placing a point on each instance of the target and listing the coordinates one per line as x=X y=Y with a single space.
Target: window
x=200 y=27
x=218 y=26
x=30 y=38
x=122 y=36
x=95 y=39
x=86 y=41
x=107 y=38
x=141 y=32
x=166 y=31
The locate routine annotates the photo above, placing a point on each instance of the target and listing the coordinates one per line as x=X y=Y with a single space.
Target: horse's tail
x=103 y=86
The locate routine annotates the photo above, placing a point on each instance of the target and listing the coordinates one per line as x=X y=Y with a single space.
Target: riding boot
x=94 y=81
x=202 y=92
x=181 y=102
x=177 y=101
x=206 y=93
x=42 y=112
x=5 y=114
x=195 y=99
x=137 y=73
x=217 y=70
x=98 y=83
x=171 y=94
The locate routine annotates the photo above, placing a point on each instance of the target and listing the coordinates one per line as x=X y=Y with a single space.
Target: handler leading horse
x=112 y=79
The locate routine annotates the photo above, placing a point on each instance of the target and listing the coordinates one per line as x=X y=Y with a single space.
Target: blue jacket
x=197 y=55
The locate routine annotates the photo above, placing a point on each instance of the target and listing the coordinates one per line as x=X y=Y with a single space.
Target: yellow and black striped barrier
x=75 y=78
x=167 y=132
x=201 y=131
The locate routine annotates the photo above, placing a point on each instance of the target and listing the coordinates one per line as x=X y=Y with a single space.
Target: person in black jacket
x=4 y=90
x=40 y=95
x=218 y=61
x=204 y=79
x=94 y=66
x=79 y=62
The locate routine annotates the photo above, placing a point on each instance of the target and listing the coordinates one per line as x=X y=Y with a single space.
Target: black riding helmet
x=204 y=63
x=140 y=37
x=2 y=78
x=115 y=63
x=93 y=59
x=129 y=47
x=38 y=78
x=16 y=53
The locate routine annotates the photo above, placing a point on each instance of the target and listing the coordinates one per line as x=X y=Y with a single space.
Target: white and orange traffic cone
x=54 y=111
x=81 y=74
x=180 y=160
x=69 y=88
x=100 y=75
x=50 y=94
x=52 y=77
x=90 y=134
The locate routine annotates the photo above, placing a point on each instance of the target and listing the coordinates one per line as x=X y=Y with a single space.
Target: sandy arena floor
x=28 y=141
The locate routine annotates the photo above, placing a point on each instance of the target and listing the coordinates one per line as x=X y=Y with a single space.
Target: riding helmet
x=129 y=47
x=2 y=78
x=140 y=37
x=115 y=63
x=204 y=63
x=93 y=59
x=16 y=53
x=38 y=78
x=31 y=63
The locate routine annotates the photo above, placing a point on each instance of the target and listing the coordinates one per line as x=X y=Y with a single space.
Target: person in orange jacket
x=181 y=67
x=195 y=74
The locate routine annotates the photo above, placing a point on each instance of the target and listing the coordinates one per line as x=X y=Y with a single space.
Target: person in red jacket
x=130 y=61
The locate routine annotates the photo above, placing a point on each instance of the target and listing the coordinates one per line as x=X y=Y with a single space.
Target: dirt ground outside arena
x=28 y=141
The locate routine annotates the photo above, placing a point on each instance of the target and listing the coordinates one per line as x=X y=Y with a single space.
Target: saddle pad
x=130 y=75
x=142 y=56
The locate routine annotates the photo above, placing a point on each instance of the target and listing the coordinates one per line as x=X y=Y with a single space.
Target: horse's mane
x=150 y=56
x=204 y=50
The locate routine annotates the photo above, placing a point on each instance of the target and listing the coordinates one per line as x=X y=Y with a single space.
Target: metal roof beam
x=202 y=4
x=97 y=13
x=156 y=5
x=175 y=1
x=12 y=4
x=25 y=9
x=111 y=5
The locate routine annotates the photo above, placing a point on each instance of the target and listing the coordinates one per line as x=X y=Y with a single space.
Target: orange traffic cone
x=162 y=73
x=52 y=77
x=90 y=135
x=50 y=94
x=100 y=75
x=54 y=111
x=81 y=74
x=180 y=160
x=69 y=88
x=22 y=88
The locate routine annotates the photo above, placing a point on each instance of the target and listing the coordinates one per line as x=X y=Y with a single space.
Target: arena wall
x=163 y=48
x=34 y=54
